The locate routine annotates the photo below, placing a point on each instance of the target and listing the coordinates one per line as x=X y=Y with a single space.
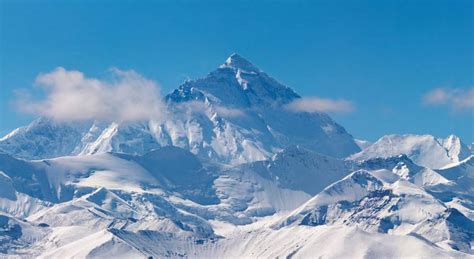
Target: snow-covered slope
x=170 y=202
x=459 y=195
x=231 y=173
x=323 y=242
x=382 y=202
x=168 y=193
x=44 y=138
x=298 y=168
x=235 y=114
x=424 y=150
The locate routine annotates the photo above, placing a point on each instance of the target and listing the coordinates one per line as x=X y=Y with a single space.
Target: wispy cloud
x=455 y=98
x=229 y=112
x=317 y=104
x=70 y=95
x=202 y=107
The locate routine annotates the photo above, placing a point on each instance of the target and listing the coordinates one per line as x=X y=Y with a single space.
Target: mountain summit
x=231 y=173
x=238 y=62
x=237 y=83
x=235 y=114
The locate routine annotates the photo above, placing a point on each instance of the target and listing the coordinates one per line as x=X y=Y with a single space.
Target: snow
x=231 y=174
x=170 y=202
x=424 y=150
x=97 y=244
x=237 y=61
x=225 y=116
x=324 y=242
x=43 y=138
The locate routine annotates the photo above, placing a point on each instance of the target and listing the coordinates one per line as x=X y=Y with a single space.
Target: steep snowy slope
x=424 y=150
x=17 y=234
x=81 y=200
x=460 y=195
x=452 y=186
x=254 y=122
x=461 y=173
x=325 y=242
x=44 y=138
x=235 y=114
x=169 y=202
x=381 y=202
x=298 y=168
x=167 y=194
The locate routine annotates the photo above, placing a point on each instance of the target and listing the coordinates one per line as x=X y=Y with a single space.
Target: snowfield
x=231 y=173
x=424 y=150
x=86 y=207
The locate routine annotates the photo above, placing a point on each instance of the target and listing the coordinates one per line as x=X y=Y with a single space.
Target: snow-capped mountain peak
x=235 y=114
x=229 y=165
x=455 y=148
x=236 y=61
x=236 y=83
x=425 y=150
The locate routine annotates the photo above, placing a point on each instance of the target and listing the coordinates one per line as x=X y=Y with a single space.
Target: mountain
x=77 y=203
x=44 y=138
x=231 y=173
x=424 y=150
x=381 y=202
x=298 y=168
x=234 y=115
x=170 y=202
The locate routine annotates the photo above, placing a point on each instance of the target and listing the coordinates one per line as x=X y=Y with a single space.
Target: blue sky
x=383 y=56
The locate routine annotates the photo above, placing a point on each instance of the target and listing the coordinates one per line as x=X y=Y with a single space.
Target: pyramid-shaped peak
x=238 y=62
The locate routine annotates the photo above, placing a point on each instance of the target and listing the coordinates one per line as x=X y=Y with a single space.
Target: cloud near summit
x=317 y=104
x=70 y=95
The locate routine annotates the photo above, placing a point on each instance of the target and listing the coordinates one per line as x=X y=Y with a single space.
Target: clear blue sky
x=381 y=55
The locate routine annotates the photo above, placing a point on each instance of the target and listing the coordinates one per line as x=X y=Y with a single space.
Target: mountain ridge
x=231 y=173
x=232 y=115
x=426 y=150
x=186 y=204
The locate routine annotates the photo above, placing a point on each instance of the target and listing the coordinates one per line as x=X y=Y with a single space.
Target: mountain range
x=232 y=172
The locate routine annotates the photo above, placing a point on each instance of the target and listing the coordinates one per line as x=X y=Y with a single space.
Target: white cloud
x=69 y=95
x=229 y=112
x=456 y=98
x=317 y=104
x=201 y=107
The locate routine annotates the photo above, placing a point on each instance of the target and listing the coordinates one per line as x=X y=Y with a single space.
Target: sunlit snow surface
x=171 y=203
x=231 y=173
x=235 y=114
x=424 y=150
